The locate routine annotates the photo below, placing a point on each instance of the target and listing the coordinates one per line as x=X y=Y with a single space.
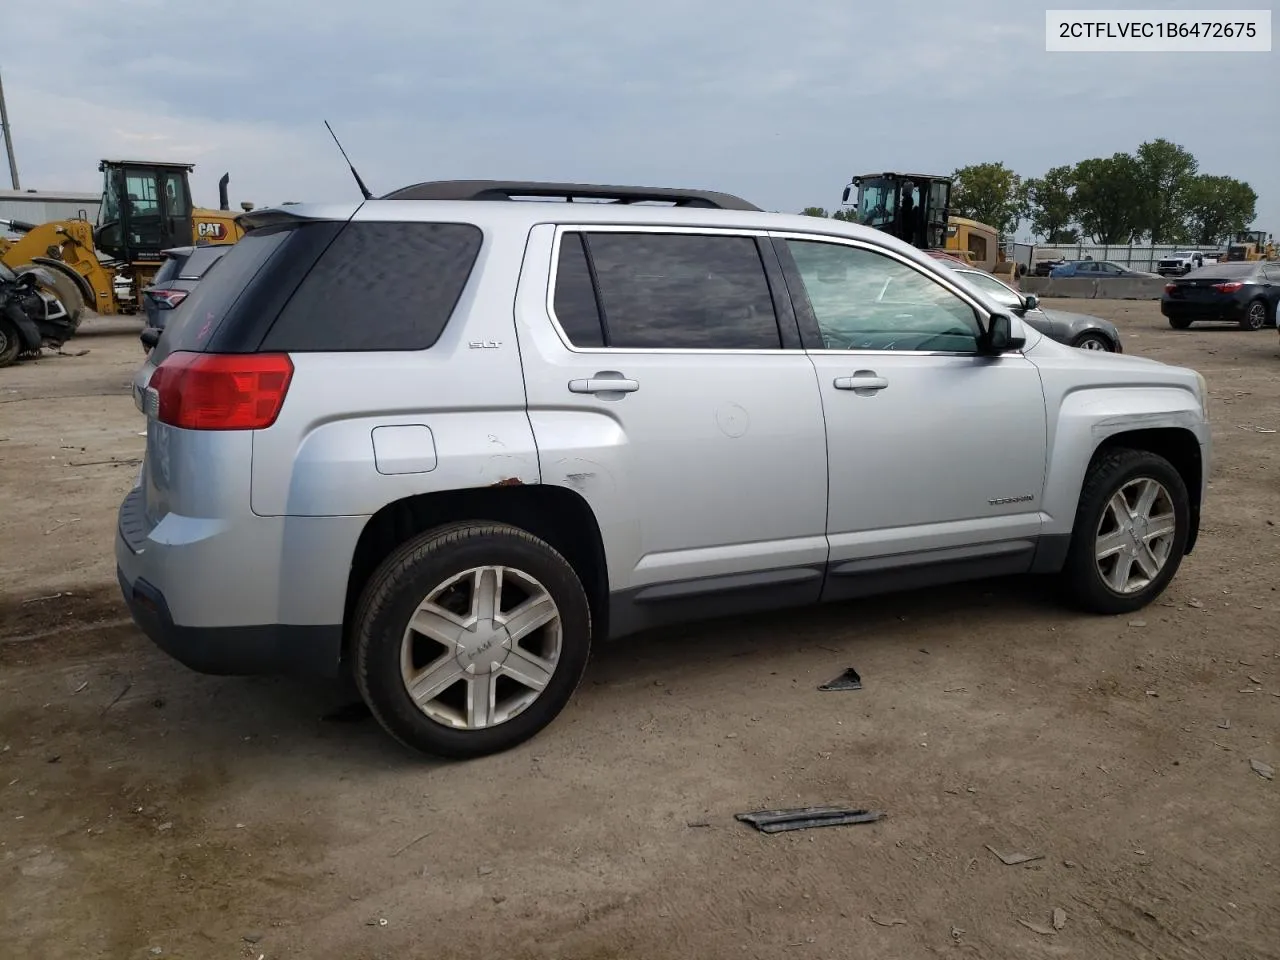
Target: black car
x=1246 y=293
x=177 y=277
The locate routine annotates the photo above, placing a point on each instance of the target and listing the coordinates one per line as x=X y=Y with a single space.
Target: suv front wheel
x=470 y=639
x=1130 y=532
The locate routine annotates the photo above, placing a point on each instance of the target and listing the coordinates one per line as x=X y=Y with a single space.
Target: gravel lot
x=148 y=811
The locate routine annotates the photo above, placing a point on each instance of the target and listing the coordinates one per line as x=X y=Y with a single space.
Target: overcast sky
x=780 y=104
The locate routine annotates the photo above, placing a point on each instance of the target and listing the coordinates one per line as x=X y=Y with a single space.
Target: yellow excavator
x=146 y=208
x=916 y=207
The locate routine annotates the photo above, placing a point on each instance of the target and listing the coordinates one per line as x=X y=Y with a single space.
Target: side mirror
x=150 y=337
x=844 y=197
x=1030 y=302
x=999 y=336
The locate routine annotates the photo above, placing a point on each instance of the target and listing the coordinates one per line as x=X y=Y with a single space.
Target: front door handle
x=862 y=381
x=605 y=382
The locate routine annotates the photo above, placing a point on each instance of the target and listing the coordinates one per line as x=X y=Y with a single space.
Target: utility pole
x=8 y=139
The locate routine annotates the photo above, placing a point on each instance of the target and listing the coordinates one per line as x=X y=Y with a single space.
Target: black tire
x=1255 y=316
x=1179 y=323
x=1107 y=475
x=10 y=342
x=409 y=575
x=1086 y=340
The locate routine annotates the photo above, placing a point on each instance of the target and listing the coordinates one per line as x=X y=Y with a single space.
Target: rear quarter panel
x=317 y=459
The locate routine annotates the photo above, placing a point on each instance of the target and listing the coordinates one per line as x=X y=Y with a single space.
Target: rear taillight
x=167 y=299
x=1230 y=286
x=1170 y=287
x=221 y=391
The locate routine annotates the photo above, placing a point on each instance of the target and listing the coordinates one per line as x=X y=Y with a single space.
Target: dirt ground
x=147 y=811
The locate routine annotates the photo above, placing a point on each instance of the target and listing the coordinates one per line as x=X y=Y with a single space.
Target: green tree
x=1166 y=169
x=1049 y=205
x=1217 y=208
x=990 y=193
x=813 y=212
x=1109 y=198
x=849 y=216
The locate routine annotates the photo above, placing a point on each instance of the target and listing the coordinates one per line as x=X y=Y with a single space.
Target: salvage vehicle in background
x=434 y=471
x=1245 y=293
x=30 y=319
x=1098 y=270
x=182 y=269
x=1073 y=329
x=1182 y=263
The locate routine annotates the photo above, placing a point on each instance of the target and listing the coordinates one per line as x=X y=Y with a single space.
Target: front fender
x=1089 y=417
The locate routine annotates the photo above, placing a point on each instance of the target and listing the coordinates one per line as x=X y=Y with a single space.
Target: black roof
x=519 y=189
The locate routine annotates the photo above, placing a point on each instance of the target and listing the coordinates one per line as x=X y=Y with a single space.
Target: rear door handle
x=860 y=381
x=607 y=381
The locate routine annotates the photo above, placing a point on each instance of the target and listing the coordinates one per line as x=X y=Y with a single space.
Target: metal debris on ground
x=849 y=680
x=1224 y=724
x=891 y=922
x=802 y=818
x=1039 y=928
x=1264 y=770
x=1059 y=918
x=1013 y=859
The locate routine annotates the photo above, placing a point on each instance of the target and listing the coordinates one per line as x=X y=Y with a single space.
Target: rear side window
x=673 y=291
x=575 y=300
x=379 y=286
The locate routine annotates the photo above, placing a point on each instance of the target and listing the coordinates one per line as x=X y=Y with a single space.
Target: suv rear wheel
x=470 y=639
x=1130 y=532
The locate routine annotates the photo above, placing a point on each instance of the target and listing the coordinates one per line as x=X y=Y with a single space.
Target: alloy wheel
x=1135 y=535
x=481 y=647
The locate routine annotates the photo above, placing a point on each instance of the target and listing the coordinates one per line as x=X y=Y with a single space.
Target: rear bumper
x=233 y=651
x=1184 y=310
x=265 y=596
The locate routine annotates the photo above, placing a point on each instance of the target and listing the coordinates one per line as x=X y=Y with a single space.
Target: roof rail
x=520 y=189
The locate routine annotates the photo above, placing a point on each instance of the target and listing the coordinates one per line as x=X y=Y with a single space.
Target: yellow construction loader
x=1251 y=245
x=146 y=208
x=915 y=207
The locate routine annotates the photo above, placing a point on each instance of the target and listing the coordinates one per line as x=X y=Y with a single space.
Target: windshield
x=992 y=287
x=109 y=210
x=877 y=202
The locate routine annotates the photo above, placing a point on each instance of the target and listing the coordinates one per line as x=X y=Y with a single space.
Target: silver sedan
x=1073 y=329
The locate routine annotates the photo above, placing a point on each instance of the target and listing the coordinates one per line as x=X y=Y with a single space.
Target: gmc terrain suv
x=447 y=438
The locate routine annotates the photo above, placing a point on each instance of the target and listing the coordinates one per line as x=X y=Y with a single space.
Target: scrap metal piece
x=849 y=680
x=802 y=818
x=1013 y=859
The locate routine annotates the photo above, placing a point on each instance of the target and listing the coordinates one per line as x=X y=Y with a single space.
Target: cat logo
x=211 y=231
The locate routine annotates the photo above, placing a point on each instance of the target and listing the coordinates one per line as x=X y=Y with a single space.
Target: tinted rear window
x=379 y=286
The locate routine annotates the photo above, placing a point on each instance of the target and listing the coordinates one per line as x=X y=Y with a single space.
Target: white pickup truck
x=1180 y=264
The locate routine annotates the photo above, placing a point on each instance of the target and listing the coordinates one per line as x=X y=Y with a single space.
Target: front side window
x=665 y=291
x=865 y=300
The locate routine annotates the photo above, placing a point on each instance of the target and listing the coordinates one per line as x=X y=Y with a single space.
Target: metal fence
x=1134 y=256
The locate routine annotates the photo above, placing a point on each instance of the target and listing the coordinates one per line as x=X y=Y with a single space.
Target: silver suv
x=447 y=438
